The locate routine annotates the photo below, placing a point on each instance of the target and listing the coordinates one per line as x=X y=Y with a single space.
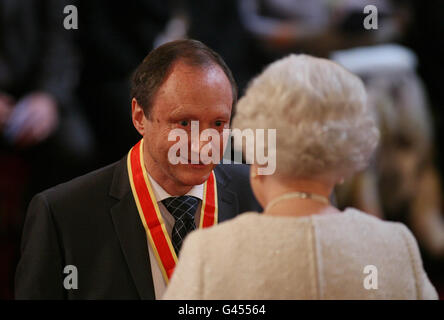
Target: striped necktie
x=183 y=209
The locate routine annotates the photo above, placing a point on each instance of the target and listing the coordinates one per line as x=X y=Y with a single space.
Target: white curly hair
x=320 y=112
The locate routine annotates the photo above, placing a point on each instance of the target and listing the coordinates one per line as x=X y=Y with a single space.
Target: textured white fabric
x=322 y=256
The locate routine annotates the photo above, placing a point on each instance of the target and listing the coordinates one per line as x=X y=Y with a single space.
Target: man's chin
x=192 y=175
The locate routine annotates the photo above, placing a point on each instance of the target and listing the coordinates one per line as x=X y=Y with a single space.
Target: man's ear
x=138 y=116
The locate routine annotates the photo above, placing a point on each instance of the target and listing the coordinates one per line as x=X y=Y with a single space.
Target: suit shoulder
x=236 y=177
x=237 y=172
x=233 y=168
x=88 y=184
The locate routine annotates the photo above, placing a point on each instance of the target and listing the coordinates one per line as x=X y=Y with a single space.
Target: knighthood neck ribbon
x=150 y=215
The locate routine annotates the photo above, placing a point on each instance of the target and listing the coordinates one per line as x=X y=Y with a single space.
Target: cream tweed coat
x=322 y=256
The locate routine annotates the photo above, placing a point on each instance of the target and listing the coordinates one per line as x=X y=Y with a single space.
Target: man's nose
x=197 y=145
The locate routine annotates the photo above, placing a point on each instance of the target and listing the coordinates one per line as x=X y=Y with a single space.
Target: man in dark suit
x=92 y=237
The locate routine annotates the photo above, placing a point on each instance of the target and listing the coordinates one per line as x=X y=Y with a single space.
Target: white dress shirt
x=161 y=194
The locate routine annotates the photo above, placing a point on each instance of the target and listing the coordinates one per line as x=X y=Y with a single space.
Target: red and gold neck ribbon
x=150 y=214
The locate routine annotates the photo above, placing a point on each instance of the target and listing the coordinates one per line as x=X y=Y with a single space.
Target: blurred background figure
x=403 y=183
x=44 y=138
x=316 y=26
x=113 y=37
x=218 y=24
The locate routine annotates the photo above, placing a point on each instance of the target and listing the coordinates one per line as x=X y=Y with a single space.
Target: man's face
x=188 y=94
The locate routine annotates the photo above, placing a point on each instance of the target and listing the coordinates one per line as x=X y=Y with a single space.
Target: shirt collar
x=161 y=194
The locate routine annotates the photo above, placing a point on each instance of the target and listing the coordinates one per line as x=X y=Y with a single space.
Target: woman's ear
x=138 y=116
x=256 y=182
x=253 y=171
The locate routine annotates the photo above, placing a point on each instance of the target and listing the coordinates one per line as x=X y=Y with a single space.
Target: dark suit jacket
x=92 y=223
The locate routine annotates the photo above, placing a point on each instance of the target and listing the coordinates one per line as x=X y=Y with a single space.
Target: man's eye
x=184 y=123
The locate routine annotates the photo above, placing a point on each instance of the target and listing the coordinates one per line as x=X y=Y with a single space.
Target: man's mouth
x=188 y=163
x=197 y=166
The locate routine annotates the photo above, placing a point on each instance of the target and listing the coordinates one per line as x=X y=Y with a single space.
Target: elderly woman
x=302 y=247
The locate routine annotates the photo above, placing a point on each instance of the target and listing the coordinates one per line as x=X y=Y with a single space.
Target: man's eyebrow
x=179 y=111
x=183 y=114
x=225 y=115
x=187 y=114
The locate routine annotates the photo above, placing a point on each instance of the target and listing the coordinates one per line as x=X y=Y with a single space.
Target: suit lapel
x=131 y=233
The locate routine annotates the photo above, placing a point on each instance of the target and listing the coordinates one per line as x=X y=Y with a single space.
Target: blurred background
x=65 y=106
